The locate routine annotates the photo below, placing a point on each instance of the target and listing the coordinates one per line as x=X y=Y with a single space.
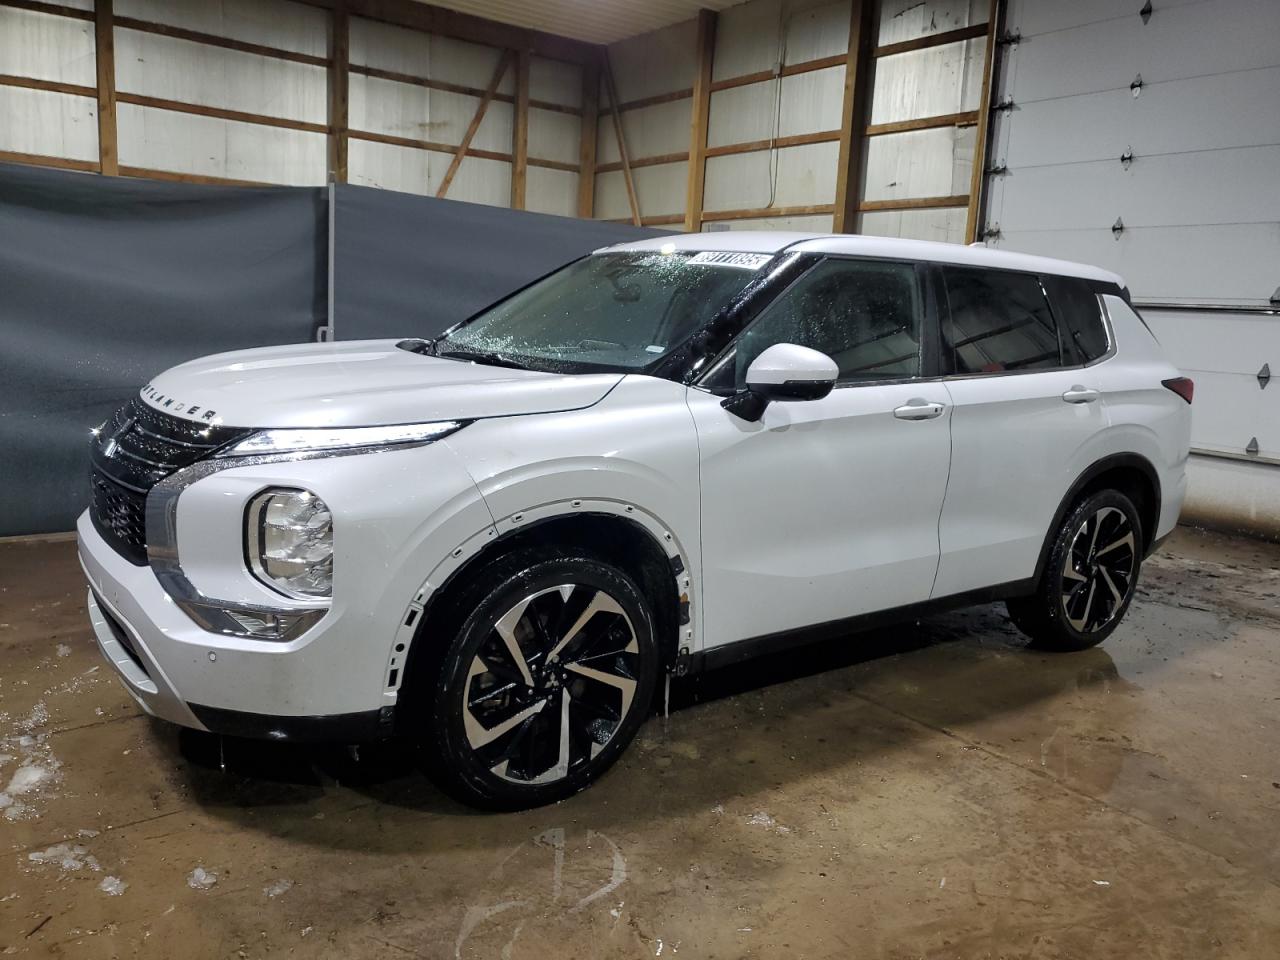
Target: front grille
x=136 y=449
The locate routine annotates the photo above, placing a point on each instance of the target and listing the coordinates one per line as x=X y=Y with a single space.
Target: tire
x=494 y=733
x=1089 y=578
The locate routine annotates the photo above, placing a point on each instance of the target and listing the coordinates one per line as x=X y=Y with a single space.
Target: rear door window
x=1076 y=307
x=998 y=322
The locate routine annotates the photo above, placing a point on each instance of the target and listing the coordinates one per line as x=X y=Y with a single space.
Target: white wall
x=1200 y=202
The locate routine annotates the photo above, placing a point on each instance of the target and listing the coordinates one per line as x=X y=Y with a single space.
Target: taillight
x=1182 y=386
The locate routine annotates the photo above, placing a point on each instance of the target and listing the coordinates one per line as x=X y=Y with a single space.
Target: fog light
x=289 y=542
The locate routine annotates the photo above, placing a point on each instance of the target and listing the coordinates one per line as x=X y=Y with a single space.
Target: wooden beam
x=764 y=212
x=652 y=101
x=787 y=70
x=147 y=173
x=105 y=53
x=339 y=91
x=645 y=162
x=611 y=90
x=590 y=131
x=434 y=84
x=520 y=134
x=56 y=9
x=485 y=100
x=916 y=203
x=933 y=40
x=853 y=115
x=552 y=164
x=434 y=145
x=661 y=220
x=54 y=86
x=978 y=180
x=213 y=40
x=701 y=114
x=200 y=109
x=793 y=140
x=966 y=119
x=40 y=160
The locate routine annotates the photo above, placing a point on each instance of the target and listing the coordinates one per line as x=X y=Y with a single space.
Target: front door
x=825 y=509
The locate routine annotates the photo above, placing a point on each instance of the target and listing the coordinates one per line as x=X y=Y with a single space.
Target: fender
x=1131 y=460
x=491 y=537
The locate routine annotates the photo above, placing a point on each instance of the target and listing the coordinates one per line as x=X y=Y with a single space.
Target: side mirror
x=785 y=371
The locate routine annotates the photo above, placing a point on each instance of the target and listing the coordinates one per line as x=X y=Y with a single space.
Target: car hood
x=359 y=383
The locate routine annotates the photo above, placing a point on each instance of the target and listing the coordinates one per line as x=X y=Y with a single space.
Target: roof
x=768 y=241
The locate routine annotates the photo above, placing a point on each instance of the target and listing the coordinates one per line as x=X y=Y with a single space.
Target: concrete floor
x=932 y=791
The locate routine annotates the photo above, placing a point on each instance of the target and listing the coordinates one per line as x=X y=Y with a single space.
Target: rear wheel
x=1090 y=576
x=546 y=679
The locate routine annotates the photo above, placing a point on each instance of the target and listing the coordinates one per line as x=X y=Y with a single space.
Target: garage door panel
x=1171 y=264
x=1035 y=16
x=1094 y=194
x=1216 y=342
x=1100 y=126
x=1230 y=411
x=1173 y=45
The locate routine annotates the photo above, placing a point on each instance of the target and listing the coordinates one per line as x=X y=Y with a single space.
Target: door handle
x=917 y=409
x=1079 y=394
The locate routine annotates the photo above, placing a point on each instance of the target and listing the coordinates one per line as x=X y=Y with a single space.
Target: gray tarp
x=106 y=281
x=408 y=266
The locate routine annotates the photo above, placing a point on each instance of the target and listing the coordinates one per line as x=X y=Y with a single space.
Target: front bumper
x=180 y=673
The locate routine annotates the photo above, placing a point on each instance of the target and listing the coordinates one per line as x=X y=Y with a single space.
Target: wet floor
x=934 y=790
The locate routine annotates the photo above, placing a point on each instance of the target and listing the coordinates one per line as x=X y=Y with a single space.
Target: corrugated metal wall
x=1192 y=221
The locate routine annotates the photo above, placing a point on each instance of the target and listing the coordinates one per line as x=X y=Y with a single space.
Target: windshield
x=606 y=312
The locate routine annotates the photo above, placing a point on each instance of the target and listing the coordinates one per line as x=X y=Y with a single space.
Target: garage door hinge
x=1264 y=376
x=1252 y=448
x=1126 y=158
x=992 y=232
x=1010 y=39
x=1005 y=104
x=1137 y=85
x=1117 y=228
x=1145 y=12
x=1275 y=297
x=998 y=171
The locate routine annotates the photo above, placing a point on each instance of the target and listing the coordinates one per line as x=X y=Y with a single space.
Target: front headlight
x=308 y=439
x=289 y=542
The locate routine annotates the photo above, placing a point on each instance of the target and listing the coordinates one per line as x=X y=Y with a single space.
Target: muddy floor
x=934 y=790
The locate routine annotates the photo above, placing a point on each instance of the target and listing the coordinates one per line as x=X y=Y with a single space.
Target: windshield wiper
x=480 y=356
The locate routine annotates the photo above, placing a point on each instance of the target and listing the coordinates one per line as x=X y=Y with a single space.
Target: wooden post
x=853 y=117
x=487 y=99
x=520 y=134
x=339 y=90
x=973 y=228
x=701 y=113
x=611 y=89
x=590 y=132
x=104 y=35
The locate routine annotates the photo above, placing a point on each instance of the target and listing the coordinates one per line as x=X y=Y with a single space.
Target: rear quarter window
x=1079 y=315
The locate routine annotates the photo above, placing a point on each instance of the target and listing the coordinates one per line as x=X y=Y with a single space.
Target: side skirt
x=741 y=650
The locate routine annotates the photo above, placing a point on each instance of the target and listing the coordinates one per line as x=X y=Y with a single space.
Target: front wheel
x=1089 y=578
x=546 y=680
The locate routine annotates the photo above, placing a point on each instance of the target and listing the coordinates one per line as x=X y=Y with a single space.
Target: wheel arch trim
x=490 y=539
x=1092 y=472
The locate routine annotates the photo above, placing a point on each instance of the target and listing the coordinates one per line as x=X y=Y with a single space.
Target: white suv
x=668 y=455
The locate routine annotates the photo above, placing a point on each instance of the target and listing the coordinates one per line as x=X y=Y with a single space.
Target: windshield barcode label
x=745 y=261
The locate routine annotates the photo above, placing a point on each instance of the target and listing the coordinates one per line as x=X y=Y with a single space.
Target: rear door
x=1024 y=411
x=826 y=509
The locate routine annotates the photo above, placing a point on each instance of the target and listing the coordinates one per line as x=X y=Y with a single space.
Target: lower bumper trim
x=362 y=727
